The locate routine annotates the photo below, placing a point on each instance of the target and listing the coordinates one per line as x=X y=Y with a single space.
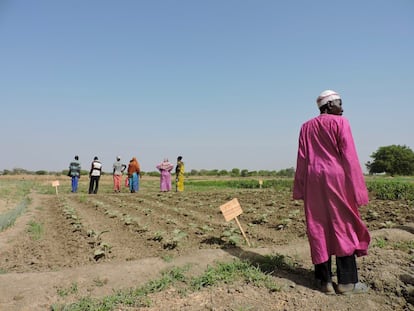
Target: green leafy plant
x=35 y=230
x=83 y=198
x=262 y=219
x=99 y=282
x=158 y=236
x=231 y=235
x=167 y=258
x=270 y=263
x=72 y=289
x=206 y=228
x=173 y=241
x=380 y=242
x=405 y=246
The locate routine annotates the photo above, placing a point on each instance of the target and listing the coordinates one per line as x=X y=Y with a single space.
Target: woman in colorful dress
x=133 y=175
x=165 y=168
x=179 y=174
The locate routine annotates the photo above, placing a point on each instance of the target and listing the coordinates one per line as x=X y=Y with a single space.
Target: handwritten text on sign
x=231 y=209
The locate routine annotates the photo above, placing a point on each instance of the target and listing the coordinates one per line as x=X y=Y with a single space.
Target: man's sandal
x=357 y=288
x=327 y=288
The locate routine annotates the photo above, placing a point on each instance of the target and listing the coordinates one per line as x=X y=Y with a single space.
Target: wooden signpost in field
x=55 y=184
x=230 y=211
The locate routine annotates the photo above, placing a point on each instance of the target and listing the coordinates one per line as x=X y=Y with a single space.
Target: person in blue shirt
x=74 y=173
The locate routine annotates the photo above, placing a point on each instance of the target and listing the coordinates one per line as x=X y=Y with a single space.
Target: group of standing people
x=134 y=174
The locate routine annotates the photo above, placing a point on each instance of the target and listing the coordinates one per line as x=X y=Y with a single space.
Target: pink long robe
x=165 y=178
x=330 y=181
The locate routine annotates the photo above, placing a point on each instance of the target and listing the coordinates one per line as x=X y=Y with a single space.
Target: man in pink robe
x=329 y=180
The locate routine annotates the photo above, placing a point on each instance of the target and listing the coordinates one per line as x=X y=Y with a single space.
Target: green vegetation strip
x=404 y=246
x=221 y=273
x=382 y=189
x=241 y=184
x=391 y=190
x=7 y=219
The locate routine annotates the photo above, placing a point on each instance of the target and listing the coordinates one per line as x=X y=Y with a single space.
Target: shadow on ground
x=277 y=265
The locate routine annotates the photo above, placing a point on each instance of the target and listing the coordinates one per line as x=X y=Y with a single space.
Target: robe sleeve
x=351 y=165
x=301 y=169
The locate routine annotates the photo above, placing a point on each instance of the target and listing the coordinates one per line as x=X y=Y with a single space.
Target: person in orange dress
x=133 y=175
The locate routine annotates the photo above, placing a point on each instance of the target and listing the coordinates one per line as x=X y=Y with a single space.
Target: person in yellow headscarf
x=179 y=174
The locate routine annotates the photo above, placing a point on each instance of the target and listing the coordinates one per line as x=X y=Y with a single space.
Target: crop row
x=99 y=248
x=171 y=219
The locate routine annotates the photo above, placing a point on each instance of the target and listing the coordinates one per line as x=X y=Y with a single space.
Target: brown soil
x=148 y=232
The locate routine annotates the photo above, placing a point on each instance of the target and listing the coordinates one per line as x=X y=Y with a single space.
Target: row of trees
x=392 y=160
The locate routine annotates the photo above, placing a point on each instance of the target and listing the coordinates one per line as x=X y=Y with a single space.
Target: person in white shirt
x=94 y=175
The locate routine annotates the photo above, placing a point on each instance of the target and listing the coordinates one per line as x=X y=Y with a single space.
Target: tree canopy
x=393 y=160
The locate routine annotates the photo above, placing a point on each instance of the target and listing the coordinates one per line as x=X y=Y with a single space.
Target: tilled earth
x=109 y=241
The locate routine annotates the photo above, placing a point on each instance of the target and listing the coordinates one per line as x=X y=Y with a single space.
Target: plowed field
x=109 y=241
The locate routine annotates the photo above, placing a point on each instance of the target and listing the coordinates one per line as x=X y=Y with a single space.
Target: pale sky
x=224 y=83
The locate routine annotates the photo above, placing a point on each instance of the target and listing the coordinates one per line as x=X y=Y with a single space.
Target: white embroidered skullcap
x=326 y=96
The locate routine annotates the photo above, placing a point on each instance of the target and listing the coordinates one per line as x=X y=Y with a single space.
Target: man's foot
x=351 y=288
x=327 y=288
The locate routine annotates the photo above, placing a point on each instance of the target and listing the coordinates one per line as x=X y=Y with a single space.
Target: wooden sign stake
x=56 y=185
x=242 y=231
x=230 y=211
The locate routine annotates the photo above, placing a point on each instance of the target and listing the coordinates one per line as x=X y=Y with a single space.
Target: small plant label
x=55 y=184
x=230 y=211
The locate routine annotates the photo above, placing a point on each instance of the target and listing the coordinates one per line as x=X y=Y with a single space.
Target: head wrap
x=326 y=96
x=165 y=165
